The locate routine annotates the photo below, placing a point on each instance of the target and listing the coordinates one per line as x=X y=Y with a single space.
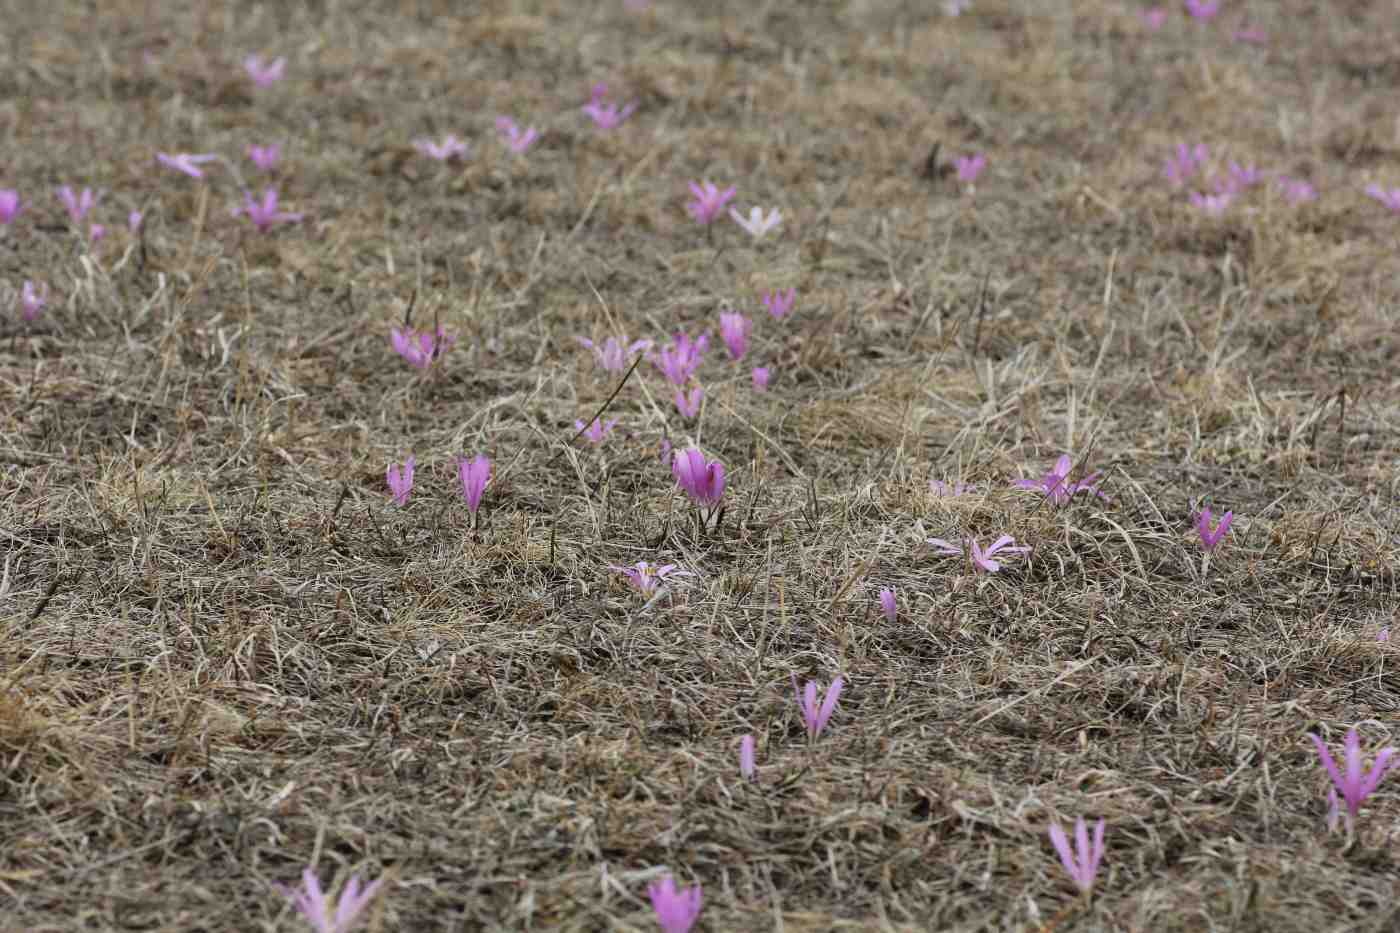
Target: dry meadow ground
x=228 y=655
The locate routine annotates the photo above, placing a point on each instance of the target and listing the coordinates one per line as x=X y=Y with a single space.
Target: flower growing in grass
x=1185 y=162
x=401 y=480
x=1082 y=863
x=889 y=605
x=981 y=558
x=420 y=349
x=969 y=167
x=474 y=474
x=1056 y=484
x=606 y=116
x=689 y=404
x=77 y=205
x=597 y=429
x=32 y=300
x=449 y=147
x=133 y=221
x=1390 y=199
x=187 y=162
x=1203 y=10
x=9 y=205
x=676 y=909
x=1296 y=190
x=264 y=75
x=701 y=479
x=612 y=355
x=734 y=330
x=709 y=201
x=647 y=578
x=1239 y=178
x=679 y=360
x=1209 y=538
x=779 y=303
x=264 y=214
x=1212 y=204
x=265 y=157
x=517 y=140
x=316 y=907
x=747 y=767
x=1353 y=785
x=760 y=378
x=757 y=223
x=96 y=232
x=816 y=717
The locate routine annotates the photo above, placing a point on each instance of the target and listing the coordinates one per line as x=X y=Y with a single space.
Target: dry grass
x=226 y=655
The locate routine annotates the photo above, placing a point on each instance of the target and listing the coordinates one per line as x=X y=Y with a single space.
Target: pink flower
x=474 y=475
x=679 y=360
x=1203 y=10
x=701 y=479
x=1296 y=190
x=1212 y=204
x=316 y=907
x=401 y=480
x=1056 y=485
x=612 y=355
x=187 y=162
x=676 y=910
x=1185 y=163
x=969 y=167
x=757 y=224
x=517 y=140
x=647 y=578
x=689 y=405
x=779 y=303
x=734 y=330
x=760 y=378
x=747 y=767
x=816 y=717
x=1082 y=863
x=889 y=605
x=709 y=201
x=1154 y=17
x=606 y=116
x=1353 y=785
x=597 y=430
x=265 y=157
x=980 y=557
x=1390 y=199
x=1239 y=179
x=264 y=214
x=77 y=205
x=449 y=147
x=1209 y=538
x=133 y=221
x=264 y=75
x=420 y=349
x=32 y=300
x=96 y=232
x=9 y=205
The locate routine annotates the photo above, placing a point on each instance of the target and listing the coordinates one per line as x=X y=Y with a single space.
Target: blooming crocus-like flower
x=1203 y=9
x=265 y=157
x=760 y=378
x=1154 y=17
x=264 y=214
x=980 y=557
x=816 y=717
x=401 y=480
x=679 y=360
x=9 y=205
x=1239 y=179
x=606 y=116
x=474 y=475
x=676 y=910
x=734 y=330
x=420 y=349
x=1390 y=199
x=316 y=907
x=96 y=232
x=187 y=162
x=889 y=605
x=612 y=355
x=701 y=479
x=1209 y=539
x=1185 y=162
x=1296 y=190
x=264 y=75
x=597 y=429
x=969 y=167
x=780 y=303
x=1212 y=204
x=757 y=224
x=1354 y=786
x=1082 y=863
x=133 y=221
x=517 y=140
x=32 y=300
x=689 y=404
x=1056 y=483
x=449 y=147
x=747 y=767
x=709 y=201
x=647 y=578
x=78 y=205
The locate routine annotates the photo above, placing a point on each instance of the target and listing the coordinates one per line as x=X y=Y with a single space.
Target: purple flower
x=816 y=718
x=316 y=907
x=265 y=157
x=779 y=303
x=760 y=378
x=1390 y=199
x=1082 y=863
x=78 y=205
x=969 y=167
x=1203 y=9
x=1354 y=786
x=889 y=605
x=1056 y=483
x=1296 y=190
x=401 y=480
x=1209 y=539
x=420 y=349
x=734 y=330
x=9 y=205
x=612 y=355
x=597 y=429
x=709 y=201
x=1212 y=204
x=756 y=224
x=133 y=221
x=1239 y=179
x=1154 y=17
x=264 y=75
x=606 y=116
x=32 y=300
x=516 y=140
x=449 y=147
x=187 y=162
x=474 y=475
x=264 y=214
x=980 y=557
x=689 y=404
x=646 y=578
x=701 y=479
x=676 y=910
x=96 y=232
x=747 y=767
x=679 y=360
x=1185 y=163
